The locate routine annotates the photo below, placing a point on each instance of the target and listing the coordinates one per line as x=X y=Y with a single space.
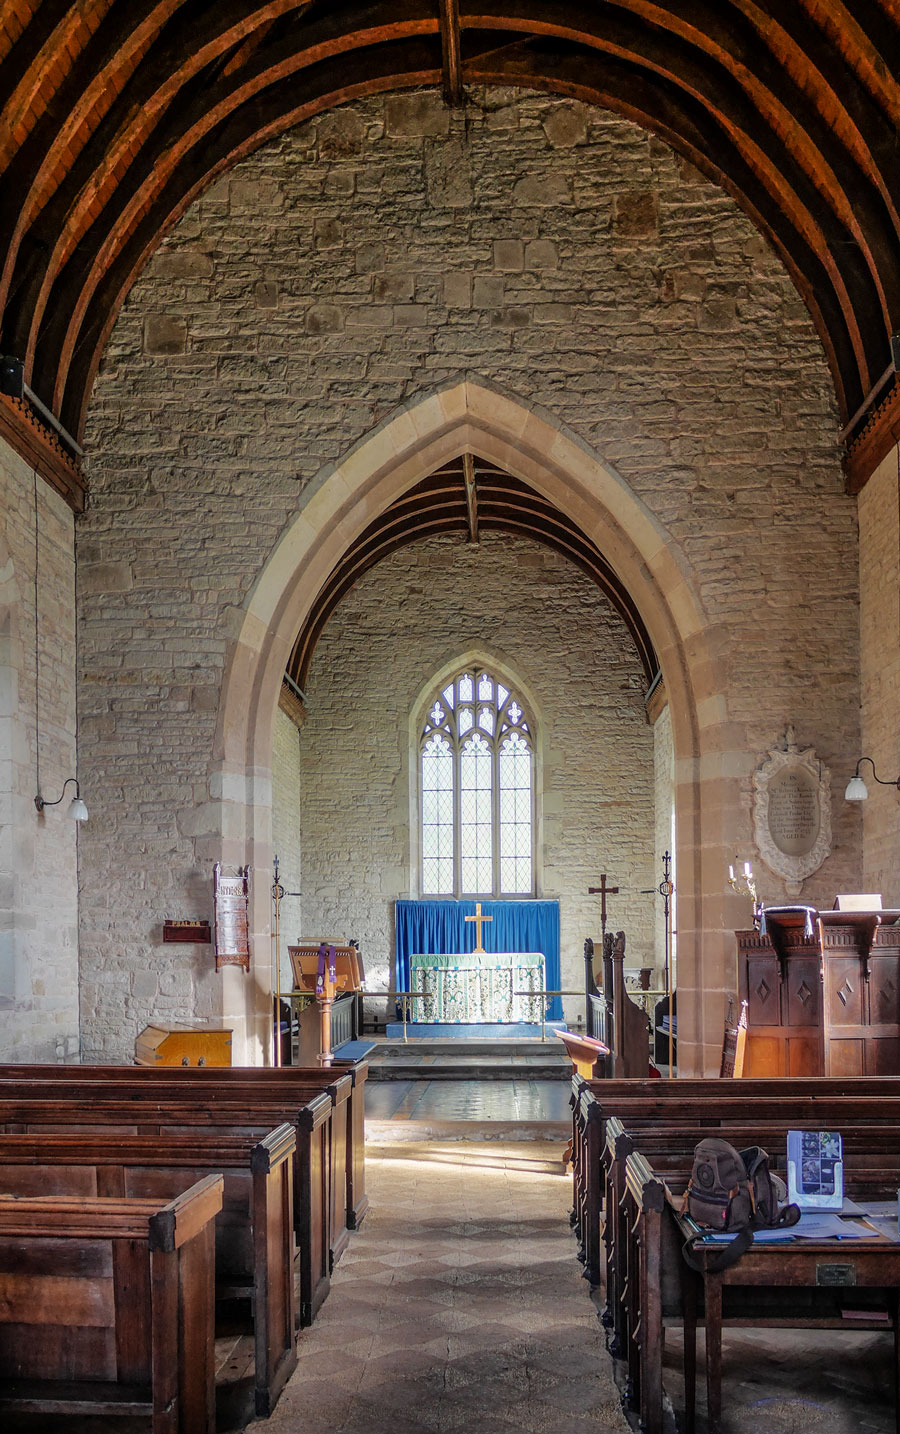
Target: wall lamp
x=76 y=809
x=857 y=790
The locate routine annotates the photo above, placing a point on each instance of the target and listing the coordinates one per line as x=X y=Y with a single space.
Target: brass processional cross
x=479 y=922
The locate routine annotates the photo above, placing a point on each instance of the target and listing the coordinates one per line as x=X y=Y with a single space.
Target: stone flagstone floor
x=459 y=1305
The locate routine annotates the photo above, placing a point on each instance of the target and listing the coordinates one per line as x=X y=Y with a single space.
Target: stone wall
x=38 y=851
x=560 y=644
x=879 y=547
x=349 y=267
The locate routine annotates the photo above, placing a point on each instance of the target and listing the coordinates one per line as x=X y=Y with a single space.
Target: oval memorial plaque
x=792 y=812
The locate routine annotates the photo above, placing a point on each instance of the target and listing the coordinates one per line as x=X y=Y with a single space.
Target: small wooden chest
x=182 y=1046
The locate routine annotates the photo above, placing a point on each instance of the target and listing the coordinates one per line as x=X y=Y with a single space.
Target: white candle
x=748 y=870
x=731 y=873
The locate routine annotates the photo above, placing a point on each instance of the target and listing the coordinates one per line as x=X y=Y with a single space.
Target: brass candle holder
x=745 y=885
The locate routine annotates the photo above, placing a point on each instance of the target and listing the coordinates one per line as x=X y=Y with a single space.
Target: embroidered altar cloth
x=478 y=986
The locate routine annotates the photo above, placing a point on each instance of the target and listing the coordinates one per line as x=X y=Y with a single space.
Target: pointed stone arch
x=472 y=415
x=10 y=667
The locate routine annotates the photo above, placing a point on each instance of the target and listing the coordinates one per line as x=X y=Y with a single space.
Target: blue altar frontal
x=519 y=931
x=478 y=986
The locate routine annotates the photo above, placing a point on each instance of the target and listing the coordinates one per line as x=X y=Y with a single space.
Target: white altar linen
x=478 y=986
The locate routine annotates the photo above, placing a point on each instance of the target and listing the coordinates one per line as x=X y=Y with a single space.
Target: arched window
x=476 y=763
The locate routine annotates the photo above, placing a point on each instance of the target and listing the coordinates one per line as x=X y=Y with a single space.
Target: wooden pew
x=229 y=1087
x=30 y=1110
x=700 y=1101
x=254 y=1237
x=653 y=1284
x=670 y=1150
x=281 y=1077
x=617 y=1021
x=107 y=1308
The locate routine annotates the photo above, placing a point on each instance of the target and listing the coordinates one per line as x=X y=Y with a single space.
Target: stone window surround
x=480 y=657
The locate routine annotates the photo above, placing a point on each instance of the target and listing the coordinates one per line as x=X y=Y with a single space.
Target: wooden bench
x=255 y=1247
x=31 y=1110
x=704 y=1104
x=670 y=1151
x=272 y=1078
x=648 y=1283
x=107 y=1308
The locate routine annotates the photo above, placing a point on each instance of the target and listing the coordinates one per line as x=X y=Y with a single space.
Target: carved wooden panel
x=804 y=1056
x=763 y=990
x=844 y=990
x=846 y=1057
x=883 y=1056
x=803 y=990
x=764 y=1056
x=884 y=988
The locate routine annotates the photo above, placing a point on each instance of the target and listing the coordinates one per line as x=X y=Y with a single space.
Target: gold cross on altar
x=479 y=922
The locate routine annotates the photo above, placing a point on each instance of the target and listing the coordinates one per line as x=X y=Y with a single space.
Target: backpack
x=733 y=1190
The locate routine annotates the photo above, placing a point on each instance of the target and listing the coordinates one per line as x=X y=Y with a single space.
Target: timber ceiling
x=117 y=113
x=468 y=497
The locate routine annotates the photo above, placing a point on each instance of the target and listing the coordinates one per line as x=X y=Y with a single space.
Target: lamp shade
x=77 y=811
x=857 y=791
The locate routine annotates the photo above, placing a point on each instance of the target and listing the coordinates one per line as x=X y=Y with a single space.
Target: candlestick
x=747 y=887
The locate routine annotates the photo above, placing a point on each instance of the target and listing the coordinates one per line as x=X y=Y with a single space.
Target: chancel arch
x=472 y=416
x=10 y=666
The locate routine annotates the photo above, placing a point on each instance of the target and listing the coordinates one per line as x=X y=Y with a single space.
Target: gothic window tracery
x=477 y=773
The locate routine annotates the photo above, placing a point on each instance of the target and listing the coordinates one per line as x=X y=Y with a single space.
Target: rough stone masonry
x=347 y=267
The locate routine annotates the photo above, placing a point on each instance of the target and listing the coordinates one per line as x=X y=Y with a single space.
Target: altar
x=478 y=986
x=523 y=935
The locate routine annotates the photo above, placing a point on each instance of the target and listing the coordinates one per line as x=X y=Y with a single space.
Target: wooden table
x=834 y=1267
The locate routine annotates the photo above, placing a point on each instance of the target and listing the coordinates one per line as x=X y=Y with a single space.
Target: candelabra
x=745 y=887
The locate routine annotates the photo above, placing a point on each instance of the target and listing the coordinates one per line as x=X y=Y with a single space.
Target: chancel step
x=469 y=1060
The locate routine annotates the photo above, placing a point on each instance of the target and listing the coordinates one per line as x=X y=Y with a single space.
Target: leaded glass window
x=476 y=758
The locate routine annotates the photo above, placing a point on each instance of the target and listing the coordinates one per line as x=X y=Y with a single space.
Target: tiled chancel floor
x=458 y=1306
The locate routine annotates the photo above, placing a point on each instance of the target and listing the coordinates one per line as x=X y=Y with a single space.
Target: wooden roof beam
x=451 y=53
x=183 y=48
x=784 y=156
x=629 y=93
x=471 y=496
x=234 y=138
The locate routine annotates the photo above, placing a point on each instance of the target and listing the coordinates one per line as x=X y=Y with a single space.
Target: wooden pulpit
x=823 y=993
x=326 y=970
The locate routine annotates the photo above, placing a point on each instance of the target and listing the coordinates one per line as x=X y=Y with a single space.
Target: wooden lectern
x=326 y=970
x=585 y=1053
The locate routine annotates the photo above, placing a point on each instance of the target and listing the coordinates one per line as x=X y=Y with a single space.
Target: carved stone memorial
x=792 y=812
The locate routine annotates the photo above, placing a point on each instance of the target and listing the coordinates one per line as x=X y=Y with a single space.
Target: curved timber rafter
x=114 y=116
x=441 y=504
